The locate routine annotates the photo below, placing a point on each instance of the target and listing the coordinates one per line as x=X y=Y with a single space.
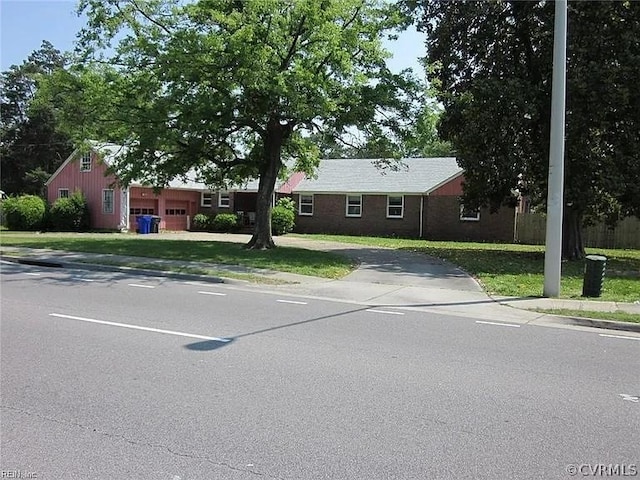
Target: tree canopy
x=491 y=66
x=233 y=89
x=31 y=148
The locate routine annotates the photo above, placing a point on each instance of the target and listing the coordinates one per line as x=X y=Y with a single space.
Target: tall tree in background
x=491 y=65
x=233 y=89
x=30 y=147
x=424 y=140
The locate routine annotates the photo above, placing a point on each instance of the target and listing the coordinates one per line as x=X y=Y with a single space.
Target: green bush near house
x=283 y=216
x=70 y=214
x=26 y=212
x=225 y=222
x=202 y=222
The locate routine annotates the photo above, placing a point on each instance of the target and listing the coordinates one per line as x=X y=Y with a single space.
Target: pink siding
x=91 y=183
x=292 y=182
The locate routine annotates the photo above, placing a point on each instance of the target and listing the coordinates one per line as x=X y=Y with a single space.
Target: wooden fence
x=531 y=229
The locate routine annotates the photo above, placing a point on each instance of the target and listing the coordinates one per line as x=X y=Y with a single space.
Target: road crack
x=139 y=443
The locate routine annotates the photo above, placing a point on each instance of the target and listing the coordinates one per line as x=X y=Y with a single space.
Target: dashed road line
x=138 y=327
x=630 y=398
x=387 y=312
x=137 y=285
x=33 y=274
x=294 y=302
x=619 y=336
x=213 y=293
x=500 y=324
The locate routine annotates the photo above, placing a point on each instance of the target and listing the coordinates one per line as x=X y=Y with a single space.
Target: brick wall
x=329 y=216
x=442 y=222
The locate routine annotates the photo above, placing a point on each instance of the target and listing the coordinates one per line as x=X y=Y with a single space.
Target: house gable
x=100 y=188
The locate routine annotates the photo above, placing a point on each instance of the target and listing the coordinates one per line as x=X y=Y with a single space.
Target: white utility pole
x=555 y=195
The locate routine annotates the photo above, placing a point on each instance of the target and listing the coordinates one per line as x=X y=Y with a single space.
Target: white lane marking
x=292 y=301
x=373 y=310
x=137 y=327
x=619 y=336
x=630 y=398
x=86 y=280
x=33 y=274
x=140 y=286
x=214 y=293
x=498 y=323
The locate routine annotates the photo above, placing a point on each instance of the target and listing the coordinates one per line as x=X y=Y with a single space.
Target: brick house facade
x=421 y=200
x=330 y=216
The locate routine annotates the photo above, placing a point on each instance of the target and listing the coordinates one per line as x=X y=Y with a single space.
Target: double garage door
x=174 y=216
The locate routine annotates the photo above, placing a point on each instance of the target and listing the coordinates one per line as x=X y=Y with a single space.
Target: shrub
x=70 y=214
x=26 y=212
x=283 y=216
x=225 y=222
x=202 y=222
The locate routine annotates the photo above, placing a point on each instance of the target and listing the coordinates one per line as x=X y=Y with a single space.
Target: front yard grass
x=283 y=259
x=518 y=270
x=503 y=269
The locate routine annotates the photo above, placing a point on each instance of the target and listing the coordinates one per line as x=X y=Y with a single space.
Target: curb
x=122 y=269
x=605 y=324
x=567 y=320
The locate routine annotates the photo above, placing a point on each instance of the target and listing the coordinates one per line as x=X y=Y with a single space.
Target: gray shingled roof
x=414 y=175
x=110 y=152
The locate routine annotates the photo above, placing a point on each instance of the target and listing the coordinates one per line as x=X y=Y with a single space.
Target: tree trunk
x=275 y=136
x=572 y=244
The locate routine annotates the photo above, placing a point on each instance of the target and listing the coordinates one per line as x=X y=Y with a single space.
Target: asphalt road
x=109 y=376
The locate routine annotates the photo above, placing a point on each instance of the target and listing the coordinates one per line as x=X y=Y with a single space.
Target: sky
x=24 y=24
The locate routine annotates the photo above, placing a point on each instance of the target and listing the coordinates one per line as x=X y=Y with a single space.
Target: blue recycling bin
x=144 y=223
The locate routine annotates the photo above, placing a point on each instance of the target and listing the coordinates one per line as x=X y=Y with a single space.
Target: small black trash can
x=593 y=275
x=155 y=224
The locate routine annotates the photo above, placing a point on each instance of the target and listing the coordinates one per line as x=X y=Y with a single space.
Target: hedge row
x=283 y=217
x=30 y=213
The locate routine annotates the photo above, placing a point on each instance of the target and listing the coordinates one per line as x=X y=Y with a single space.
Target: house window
x=107 y=201
x=223 y=200
x=354 y=205
x=395 y=206
x=85 y=162
x=469 y=214
x=63 y=193
x=306 y=205
x=206 y=199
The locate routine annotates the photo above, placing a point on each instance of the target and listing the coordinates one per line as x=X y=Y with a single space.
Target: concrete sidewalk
x=384 y=278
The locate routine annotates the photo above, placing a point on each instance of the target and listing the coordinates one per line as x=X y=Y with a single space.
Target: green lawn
x=503 y=269
x=518 y=270
x=292 y=260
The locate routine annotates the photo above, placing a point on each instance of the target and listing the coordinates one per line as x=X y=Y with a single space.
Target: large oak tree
x=233 y=89
x=491 y=64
